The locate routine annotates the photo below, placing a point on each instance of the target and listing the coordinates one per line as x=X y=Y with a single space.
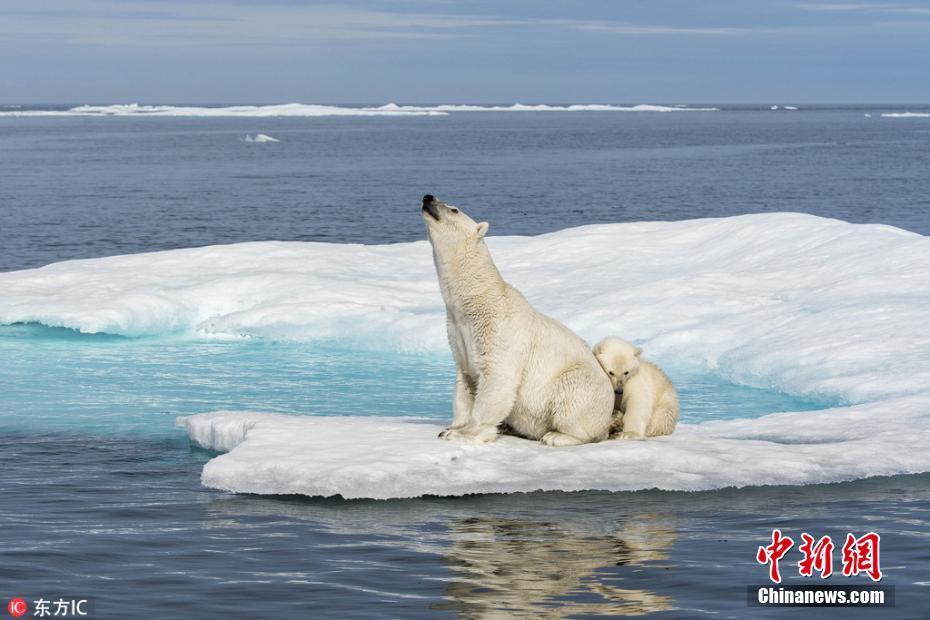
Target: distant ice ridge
x=807 y=305
x=260 y=137
x=288 y=109
x=906 y=115
x=519 y=107
x=386 y=458
x=310 y=110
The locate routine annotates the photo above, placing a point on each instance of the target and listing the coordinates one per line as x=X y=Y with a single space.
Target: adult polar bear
x=513 y=364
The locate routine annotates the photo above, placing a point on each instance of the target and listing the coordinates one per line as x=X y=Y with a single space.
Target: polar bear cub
x=646 y=402
x=513 y=364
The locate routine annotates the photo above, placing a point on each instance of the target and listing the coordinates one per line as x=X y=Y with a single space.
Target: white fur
x=513 y=364
x=646 y=403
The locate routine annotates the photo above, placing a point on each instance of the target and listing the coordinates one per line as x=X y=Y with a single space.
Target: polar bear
x=646 y=402
x=512 y=363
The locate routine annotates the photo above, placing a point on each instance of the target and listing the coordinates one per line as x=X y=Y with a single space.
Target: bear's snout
x=430 y=205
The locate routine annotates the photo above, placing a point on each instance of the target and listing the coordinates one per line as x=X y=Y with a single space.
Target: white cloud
x=866 y=8
x=642 y=29
x=840 y=7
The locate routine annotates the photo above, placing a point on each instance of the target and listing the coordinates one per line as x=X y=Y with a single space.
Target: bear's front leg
x=463 y=400
x=494 y=399
x=635 y=418
x=495 y=393
x=616 y=423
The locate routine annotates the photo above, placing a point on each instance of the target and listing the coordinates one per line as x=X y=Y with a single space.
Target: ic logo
x=17 y=607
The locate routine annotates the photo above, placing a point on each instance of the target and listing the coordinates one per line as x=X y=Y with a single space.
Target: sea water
x=111 y=385
x=79 y=186
x=101 y=495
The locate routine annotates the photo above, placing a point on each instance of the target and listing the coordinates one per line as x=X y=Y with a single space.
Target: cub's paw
x=628 y=435
x=556 y=439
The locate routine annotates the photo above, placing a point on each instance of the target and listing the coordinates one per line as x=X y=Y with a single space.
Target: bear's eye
x=626 y=373
x=454 y=210
x=610 y=372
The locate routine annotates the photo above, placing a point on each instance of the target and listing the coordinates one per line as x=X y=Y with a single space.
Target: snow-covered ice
x=802 y=304
x=386 y=458
x=312 y=110
x=906 y=115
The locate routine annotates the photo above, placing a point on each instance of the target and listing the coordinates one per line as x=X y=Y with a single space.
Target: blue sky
x=453 y=51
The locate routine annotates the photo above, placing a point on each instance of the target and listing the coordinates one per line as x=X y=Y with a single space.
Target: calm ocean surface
x=100 y=495
x=77 y=187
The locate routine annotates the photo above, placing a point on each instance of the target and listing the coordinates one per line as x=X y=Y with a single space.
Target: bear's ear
x=637 y=352
x=482 y=229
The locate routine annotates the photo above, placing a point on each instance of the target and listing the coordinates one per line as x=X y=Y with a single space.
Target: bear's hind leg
x=581 y=406
x=663 y=420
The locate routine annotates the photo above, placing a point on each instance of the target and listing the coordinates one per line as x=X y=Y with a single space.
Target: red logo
x=773 y=553
x=17 y=607
x=817 y=557
x=860 y=555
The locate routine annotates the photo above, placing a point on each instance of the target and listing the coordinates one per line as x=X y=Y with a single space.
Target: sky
x=464 y=51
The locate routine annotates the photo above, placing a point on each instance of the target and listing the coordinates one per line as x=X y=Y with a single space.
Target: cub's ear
x=482 y=229
x=637 y=352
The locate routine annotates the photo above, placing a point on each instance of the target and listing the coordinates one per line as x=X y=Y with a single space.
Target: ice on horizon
x=314 y=110
x=797 y=303
x=906 y=115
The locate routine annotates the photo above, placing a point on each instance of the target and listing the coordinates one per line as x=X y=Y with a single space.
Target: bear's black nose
x=428 y=199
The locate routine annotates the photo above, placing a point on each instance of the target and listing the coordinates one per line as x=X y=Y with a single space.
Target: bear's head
x=448 y=226
x=619 y=359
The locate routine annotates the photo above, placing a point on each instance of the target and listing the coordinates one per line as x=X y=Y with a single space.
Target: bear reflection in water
x=551 y=555
x=508 y=567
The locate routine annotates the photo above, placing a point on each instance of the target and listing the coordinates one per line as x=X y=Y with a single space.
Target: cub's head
x=448 y=225
x=619 y=359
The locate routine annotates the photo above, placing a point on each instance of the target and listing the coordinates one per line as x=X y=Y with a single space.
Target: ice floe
x=260 y=137
x=386 y=458
x=802 y=304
